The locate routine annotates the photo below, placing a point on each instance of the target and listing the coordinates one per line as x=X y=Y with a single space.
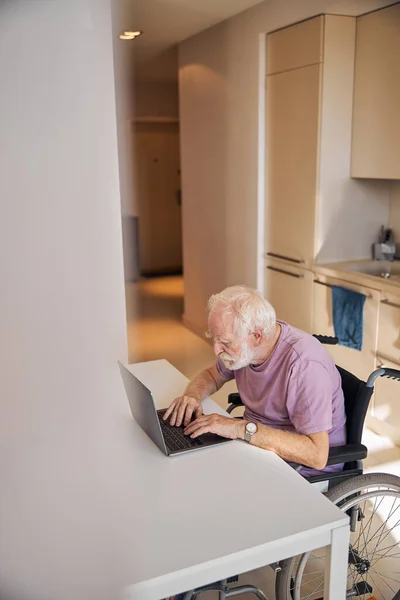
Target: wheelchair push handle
x=327 y=339
x=391 y=373
x=383 y=372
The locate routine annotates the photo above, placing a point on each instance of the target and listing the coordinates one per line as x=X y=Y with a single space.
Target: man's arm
x=310 y=450
x=204 y=384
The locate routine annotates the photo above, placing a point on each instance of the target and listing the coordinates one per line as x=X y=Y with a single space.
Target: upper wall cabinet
x=376 y=118
x=298 y=46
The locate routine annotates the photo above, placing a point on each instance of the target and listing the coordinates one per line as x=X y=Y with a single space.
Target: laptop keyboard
x=174 y=437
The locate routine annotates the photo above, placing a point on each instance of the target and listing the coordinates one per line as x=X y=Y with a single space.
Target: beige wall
x=62 y=309
x=157 y=99
x=221 y=133
x=219 y=79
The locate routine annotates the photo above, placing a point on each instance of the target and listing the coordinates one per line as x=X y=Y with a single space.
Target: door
x=292 y=132
x=157 y=190
x=289 y=290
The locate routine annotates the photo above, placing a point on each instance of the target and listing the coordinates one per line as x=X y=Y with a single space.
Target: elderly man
x=287 y=381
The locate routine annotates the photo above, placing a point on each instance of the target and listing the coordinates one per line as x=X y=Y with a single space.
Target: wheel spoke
x=389 y=586
x=374 y=547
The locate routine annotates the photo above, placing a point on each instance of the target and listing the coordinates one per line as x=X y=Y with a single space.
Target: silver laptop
x=171 y=440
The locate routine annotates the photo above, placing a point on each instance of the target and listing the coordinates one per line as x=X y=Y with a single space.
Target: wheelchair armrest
x=346 y=454
x=235 y=399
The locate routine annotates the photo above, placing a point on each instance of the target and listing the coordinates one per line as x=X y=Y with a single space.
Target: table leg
x=337 y=559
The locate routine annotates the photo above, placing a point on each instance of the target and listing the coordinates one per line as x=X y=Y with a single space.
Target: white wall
x=219 y=106
x=125 y=108
x=62 y=311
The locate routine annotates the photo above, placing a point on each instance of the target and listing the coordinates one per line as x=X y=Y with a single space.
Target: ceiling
x=165 y=23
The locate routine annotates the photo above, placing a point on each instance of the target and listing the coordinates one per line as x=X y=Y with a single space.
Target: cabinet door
x=361 y=363
x=376 y=116
x=291 y=162
x=289 y=289
x=296 y=46
x=389 y=328
x=385 y=412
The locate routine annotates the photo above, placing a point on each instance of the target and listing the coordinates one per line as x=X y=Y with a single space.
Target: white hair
x=247 y=308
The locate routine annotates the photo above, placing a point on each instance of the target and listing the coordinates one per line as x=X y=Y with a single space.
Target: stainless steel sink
x=378 y=268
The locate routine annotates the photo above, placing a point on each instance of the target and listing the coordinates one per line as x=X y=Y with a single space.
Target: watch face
x=251 y=427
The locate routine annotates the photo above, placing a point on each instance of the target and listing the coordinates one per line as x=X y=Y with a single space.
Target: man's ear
x=257 y=336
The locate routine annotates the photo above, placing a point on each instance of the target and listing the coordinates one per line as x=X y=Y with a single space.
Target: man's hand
x=223 y=426
x=182 y=409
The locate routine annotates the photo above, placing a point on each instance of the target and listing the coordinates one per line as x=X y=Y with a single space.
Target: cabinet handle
x=330 y=286
x=294 y=260
x=285 y=272
x=388 y=303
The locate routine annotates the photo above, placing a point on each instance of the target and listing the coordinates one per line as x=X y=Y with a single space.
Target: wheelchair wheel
x=372 y=502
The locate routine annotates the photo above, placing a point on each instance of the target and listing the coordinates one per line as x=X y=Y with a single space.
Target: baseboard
x=195 y=328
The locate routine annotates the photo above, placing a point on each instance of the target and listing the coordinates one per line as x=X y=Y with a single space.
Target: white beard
x=243 y=360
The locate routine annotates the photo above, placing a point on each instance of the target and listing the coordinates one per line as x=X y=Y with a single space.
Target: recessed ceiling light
x=130 y=35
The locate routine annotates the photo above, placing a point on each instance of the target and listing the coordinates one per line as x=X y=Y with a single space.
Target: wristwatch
x=251 y=429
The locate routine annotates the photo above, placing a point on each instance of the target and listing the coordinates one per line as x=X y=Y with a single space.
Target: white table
x=226 y=510
x=91 y=509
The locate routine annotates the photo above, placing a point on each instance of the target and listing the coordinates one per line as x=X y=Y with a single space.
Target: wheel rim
x=373 y=555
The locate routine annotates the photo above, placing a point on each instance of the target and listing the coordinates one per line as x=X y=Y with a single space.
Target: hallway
x=155 y=329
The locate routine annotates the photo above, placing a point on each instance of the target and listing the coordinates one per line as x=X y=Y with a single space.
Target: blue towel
x=347 y=308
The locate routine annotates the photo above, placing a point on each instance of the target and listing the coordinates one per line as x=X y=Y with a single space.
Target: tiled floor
x=155 y=330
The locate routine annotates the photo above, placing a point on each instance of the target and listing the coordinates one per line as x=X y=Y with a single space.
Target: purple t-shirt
x=297 y=388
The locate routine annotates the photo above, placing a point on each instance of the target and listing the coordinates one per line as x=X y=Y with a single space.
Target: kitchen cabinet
x=376 y=118
x=310 y=200
x=384 y=416
x=293 y=109
x=299 y=45
x=309 y=96
x=360 y=363
x=289 y=290
x=389 y=328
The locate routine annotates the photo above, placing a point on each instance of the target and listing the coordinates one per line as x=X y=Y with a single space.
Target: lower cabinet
x=289 y=289
x=384 y=416
x=385 y=413
x=360 y=363
x=389 y=328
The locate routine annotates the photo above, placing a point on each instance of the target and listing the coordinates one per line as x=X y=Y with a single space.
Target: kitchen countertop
x=352 y=271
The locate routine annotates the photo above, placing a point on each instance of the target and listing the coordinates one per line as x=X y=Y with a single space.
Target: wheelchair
x=372 y=502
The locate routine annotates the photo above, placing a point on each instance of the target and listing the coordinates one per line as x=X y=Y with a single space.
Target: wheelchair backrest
x=356 y=399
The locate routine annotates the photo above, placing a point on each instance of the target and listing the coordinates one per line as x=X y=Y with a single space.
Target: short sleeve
x=309 y=398
x=223 y=371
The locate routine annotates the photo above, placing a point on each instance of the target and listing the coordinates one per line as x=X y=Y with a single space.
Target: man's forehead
x=220 y=325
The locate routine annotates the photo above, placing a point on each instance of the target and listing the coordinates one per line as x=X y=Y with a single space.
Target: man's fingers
x=188 y=415
x=169 y=410
x=199 y=411
x=201 y=431
x=180 y=413
x=200 y=422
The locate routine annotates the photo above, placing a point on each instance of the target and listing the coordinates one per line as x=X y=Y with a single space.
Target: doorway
x=158 y=197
